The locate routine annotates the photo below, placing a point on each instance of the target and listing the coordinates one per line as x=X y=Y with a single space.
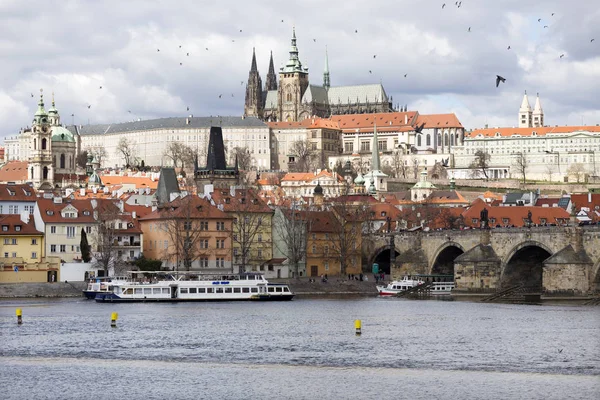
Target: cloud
x=73 y=48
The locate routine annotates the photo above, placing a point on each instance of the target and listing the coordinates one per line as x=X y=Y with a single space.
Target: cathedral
x=295 y=99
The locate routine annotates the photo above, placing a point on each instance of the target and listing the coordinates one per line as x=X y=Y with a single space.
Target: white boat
x=436 y=285
x=102 y=284
x=247 y=286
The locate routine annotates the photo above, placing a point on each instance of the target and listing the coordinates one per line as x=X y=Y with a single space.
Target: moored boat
x=246 y=286
x=101 y=285
x=436 y=285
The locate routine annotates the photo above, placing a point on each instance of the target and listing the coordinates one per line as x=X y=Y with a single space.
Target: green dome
x=95 y=179
x=359 y=179
x=60 y=134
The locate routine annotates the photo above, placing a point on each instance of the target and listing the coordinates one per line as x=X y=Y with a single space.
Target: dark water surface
x=304 y=349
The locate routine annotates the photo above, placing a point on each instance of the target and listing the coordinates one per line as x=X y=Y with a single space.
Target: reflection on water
x=300 y=349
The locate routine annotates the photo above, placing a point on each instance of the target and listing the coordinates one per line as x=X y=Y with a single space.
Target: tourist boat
x=102 y=285
x=436 y=285
x=246 y=286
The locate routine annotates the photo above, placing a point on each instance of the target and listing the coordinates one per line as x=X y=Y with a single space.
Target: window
x=33 y=255
x=204 y=262
x=14 y=241
x=365 y=146
x=326 y=249
x=33 y=241
x=259 y=238
x=88 y=229
x=52 y=248
x=5 y=228
x=18 y=228
x=326 y=265
x=349 y=147
x=204 y=243
x=6 y=241
x=53 y=229
x=63 y=248
x=187 y=225
x=220 y=226
x=314 y=249
x=220 y=262
x=5 y=255
x=220 y=243
x=259 y=253
x=70 y=231
x=382 y=145
x=203 y=225
x=14 y=255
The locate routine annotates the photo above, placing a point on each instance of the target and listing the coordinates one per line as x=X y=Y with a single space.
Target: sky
x=116 y=61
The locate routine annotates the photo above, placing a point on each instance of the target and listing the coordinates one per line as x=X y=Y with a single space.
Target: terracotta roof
x=140 y=210
x=447 y=197
x=492 y=196
x=199 y=208
x=583 y=200
x=438 y=121
x=13 y=220
x=138 y=181
x=540 y=131
x=17 y=192
x=514 y=216
x=385 y=121
x=14 y=171
x=381 y=211
x=51 y=212
x=289 y=125
x=308 y=176
x=321 y=123
x=549 y=202
x=322 y=221
x=251 y=201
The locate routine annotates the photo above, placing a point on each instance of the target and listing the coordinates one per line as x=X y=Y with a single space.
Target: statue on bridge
x=529 y=219
x=483 y=217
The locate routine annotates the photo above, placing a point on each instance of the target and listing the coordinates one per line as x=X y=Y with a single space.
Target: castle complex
x=295 y=99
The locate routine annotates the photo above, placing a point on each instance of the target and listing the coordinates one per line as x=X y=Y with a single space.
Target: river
x=303 y=349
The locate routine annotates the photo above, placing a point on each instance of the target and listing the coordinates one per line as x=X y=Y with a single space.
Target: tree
x=480 y=164
x=549 y=171
x=304 y=155
x=577 y=170
x=414 y=162
x=106 y=238
x=126 y=148
x=347 y=236
x=148 y=264
x=176 y=152
x=521 y=163
x=85 y=247
x=99 y=153
x=291 y=227
x=399 y=166
x=244 y=159
x=82 y=159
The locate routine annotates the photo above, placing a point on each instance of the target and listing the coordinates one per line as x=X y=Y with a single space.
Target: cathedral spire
x=538 y=113
x=525 y=113
x=326 y=83
x=271 y=83
x=253 y=105
x=41 y=111
x=294 y=64
x=253 y=68
x=375 y=152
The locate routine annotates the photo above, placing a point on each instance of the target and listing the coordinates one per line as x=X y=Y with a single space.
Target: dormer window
x=86 y=212
x=49 y=212
x=4 y=228
x=227 y=200
x=18 y=228
x=11 y=192
x=383 y=213
x=243 y=200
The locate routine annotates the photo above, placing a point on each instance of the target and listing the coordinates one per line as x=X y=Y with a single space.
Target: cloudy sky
x=74 y=47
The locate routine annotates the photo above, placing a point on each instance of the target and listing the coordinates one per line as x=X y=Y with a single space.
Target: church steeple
x=525 y=117
x=253 y=106
x=326 y=83
x=538 y=113
x=375 y=153
x=53 y=114
x=294 y=64
x=271 y=83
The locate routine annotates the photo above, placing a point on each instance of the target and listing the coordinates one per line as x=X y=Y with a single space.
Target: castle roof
x=532 y=131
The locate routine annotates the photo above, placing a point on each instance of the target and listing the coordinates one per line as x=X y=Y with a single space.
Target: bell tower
x=40 y=171
x=293 y=82
x=253 y=106
x=525 y=113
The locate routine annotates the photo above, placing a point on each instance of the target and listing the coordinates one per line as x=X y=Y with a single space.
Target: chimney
x=405 y=119
x=133 y=214
x=590 y=197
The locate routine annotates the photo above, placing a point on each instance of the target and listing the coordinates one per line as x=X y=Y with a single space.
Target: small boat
x=101 y=285
x=435 y=285
x=196 y=287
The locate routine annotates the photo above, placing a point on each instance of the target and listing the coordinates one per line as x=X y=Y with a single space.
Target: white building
x=551 y=153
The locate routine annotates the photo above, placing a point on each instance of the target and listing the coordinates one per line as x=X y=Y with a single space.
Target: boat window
x=286 y=289
x=278 y=289
x=183 y=290
x=271 y=289
x=209 y=290
x=201 y=290
x=192 y=290
x=228 y=290
x=165 y=290
x=254 y=290
x=147 y=290
x=245 y=290
x=128 y=291
x=237 y=290
x=219 y=290
x=137 y=291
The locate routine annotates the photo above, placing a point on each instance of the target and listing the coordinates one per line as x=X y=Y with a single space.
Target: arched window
x=439 y=139
x=452 y=139
x=419 y=140
x=32 y=177
x=45 y=172
x=62 y=161
x=445 y=139
x=44 y=144
x=428 y=140
x=35 y=144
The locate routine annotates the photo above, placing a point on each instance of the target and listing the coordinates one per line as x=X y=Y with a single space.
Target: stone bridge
x=555 y=259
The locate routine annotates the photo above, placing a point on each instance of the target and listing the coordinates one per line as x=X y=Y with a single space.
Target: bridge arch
x=523 y=264
x=443 y=261
x=381 y=256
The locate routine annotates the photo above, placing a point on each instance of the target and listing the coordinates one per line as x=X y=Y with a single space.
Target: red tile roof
x=540 y=131
x=438 y=121
x=384 y=121
x=514 y=216
x=198 y=208
x=17 y=192
x=13 y=220
x=51 y=212
x=14 y=171
x=244 y=200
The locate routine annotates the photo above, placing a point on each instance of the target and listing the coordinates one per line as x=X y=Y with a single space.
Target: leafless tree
x=549 y=171
x=126 y=148
x=105 y=240
x=291 y=227
x=480 y=164
x=438 y=171
x=176 y=152
x=577 y=170
x=399 y=166
x=304 y=155
x=244 y=158
x=99 y=153
x=346 y=242
x=521 y=163
x=414 y=162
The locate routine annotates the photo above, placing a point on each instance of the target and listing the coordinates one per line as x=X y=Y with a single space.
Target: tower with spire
x=525 y=113
x=538 y=113
x=375 y=177
x=293 y=81
x=271 y=83
x=326 y=81
x=40 y=171
x=253 y=106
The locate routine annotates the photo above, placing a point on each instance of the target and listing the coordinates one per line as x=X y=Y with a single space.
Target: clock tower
x=40 y=171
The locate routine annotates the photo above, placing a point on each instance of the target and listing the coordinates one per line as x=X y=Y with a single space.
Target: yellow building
x=22 y=256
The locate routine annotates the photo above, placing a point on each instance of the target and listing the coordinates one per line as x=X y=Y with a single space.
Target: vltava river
x=303 y=349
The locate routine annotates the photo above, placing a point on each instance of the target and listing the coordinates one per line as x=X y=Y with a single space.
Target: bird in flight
x=374 y=55
x=405 y=75
x=89 y=106
x=315 y=40
x=508 y=48
x=188 y=54
x=545 y=26
x=419 y=128
x=220 y=95
x=179 y=46
x=240 y=31
x=560 y=350
x=592 y=40
x=157 y=49
x=499 y=79
x=370 y=72
x=129 y=111
x=231 y=94
x=443 y=5
x=356 y=31
x=180 y=63
x=241 y=82
x=207 y=49
x=561 y=56
x=469 y=30
x=100 y=87
x=459 y=4
x=188 y=109
x=32 y=93
x=281 y=20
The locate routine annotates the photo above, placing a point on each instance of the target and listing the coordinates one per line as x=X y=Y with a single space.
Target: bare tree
x=176 y=152
x=105 y=240
x=414 y=162
x=291 y=227
x=438 y=171
x=521 y=163
x=244 y=158
x=480 y=164
x=126 y=148
x=304 y=155
x=399 y=166
x=347 y=236
x=99 y=153
x=82 y=159
x=549 y=171
x=577 y=170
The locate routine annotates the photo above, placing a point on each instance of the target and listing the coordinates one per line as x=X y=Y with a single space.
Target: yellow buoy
x=19 y=316
x=357 y=326
x=113 y=319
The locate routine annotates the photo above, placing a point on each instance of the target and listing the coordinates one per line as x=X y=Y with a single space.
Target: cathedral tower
x=254 y=103
x=525 y=113
x=40 y=171
x=538 y=113
x=293 y=81
x=271 y=83
x=326 y=83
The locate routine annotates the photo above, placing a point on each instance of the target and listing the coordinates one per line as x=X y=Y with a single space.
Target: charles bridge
x=554 y=259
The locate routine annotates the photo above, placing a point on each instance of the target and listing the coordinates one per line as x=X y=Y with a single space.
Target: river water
x=303 y=349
